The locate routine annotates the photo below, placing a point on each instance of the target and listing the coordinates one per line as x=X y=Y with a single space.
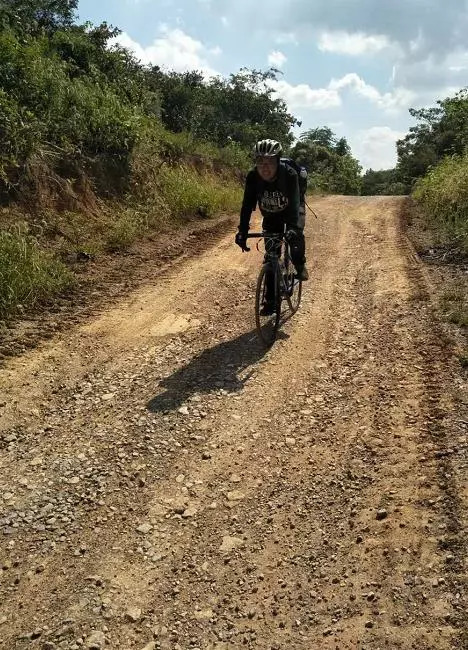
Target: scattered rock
x=381 y=514
x=95 y=641
x=184 y=410
x=145 y=528
x=231 y=543
x=235 y=495
x=291 y=442
x=204 y=614
x=133 y=615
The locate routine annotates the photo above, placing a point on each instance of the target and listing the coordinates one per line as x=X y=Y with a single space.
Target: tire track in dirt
x=284 y=457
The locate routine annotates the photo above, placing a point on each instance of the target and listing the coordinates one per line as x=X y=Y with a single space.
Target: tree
x=37 y=16
x=342 y=147
x=323 y=136
x=329 y=162
x=382 y=182
x=440 y=131
x=240 y=109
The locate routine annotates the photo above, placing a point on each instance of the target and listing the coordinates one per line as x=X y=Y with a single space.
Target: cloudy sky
x=354 y=65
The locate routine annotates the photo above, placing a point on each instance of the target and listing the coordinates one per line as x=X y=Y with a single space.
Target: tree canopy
x=36 y=17
x=331 y=166
x=241 y=108
x=440 y=131
x=67 y=87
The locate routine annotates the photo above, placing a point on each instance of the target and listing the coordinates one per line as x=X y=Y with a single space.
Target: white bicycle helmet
x=268 y=148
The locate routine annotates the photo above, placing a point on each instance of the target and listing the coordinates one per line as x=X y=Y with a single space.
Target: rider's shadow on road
x=216 y=368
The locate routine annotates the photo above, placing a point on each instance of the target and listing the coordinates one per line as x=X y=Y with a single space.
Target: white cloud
x=304 y=96
x=376 y=147
x=225 y=20
x=440 y=27
x=400 y=98
x=174 y=50
x=420 y=37
x=277 y=59
x=341 y=42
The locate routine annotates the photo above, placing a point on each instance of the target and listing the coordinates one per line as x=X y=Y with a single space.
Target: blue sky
x=354 y=65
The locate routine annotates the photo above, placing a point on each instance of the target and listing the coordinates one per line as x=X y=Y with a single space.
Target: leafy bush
x=332 y=168
x=382 y=182
x=187 y=192
x=454 y=304
x=443 y=196
x=27 y=274
x=441 y=131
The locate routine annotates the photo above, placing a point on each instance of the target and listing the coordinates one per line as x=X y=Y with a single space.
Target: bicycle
x=287 y=287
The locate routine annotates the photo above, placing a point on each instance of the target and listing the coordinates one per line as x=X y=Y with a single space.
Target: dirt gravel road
x=165 y=482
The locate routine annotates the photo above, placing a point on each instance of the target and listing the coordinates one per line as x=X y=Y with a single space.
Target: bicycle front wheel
x=294 y=291
x=267 y=323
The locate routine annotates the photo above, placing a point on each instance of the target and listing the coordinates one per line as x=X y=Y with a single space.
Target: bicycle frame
x=277 y=262
x=278 y=257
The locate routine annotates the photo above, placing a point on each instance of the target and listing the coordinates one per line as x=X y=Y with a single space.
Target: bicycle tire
x=293 y=286
x=267 y=330
x=294 y=294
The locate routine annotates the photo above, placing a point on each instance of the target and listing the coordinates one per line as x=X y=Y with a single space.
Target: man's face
x=267 y=167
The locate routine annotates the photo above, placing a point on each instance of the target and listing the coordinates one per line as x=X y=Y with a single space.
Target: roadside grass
x=33 y=252
x=454 y=305
x=27 y=273
x=443 y=197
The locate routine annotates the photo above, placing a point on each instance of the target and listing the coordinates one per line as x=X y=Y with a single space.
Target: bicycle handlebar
x=261 y=235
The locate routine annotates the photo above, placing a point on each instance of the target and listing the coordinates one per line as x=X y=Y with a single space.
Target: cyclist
x=273 y=185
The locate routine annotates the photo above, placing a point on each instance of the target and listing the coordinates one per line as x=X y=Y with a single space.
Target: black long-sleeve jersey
x=277 y=200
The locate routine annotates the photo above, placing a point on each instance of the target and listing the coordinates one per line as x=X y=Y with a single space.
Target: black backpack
x=301 y=175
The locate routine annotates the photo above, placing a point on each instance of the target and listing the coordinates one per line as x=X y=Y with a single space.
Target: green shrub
x=443 y=196
x=18 y=136
x=187 y=192
x=454 y=304
x=28 y=275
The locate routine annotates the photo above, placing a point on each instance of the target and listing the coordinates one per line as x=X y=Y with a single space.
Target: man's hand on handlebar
x=241 y=241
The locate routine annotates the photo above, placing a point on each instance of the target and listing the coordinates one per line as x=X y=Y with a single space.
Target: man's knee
x=298 y=248
x=302 y=216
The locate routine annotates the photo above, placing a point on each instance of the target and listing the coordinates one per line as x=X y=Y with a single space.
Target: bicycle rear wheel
x=267 y=325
